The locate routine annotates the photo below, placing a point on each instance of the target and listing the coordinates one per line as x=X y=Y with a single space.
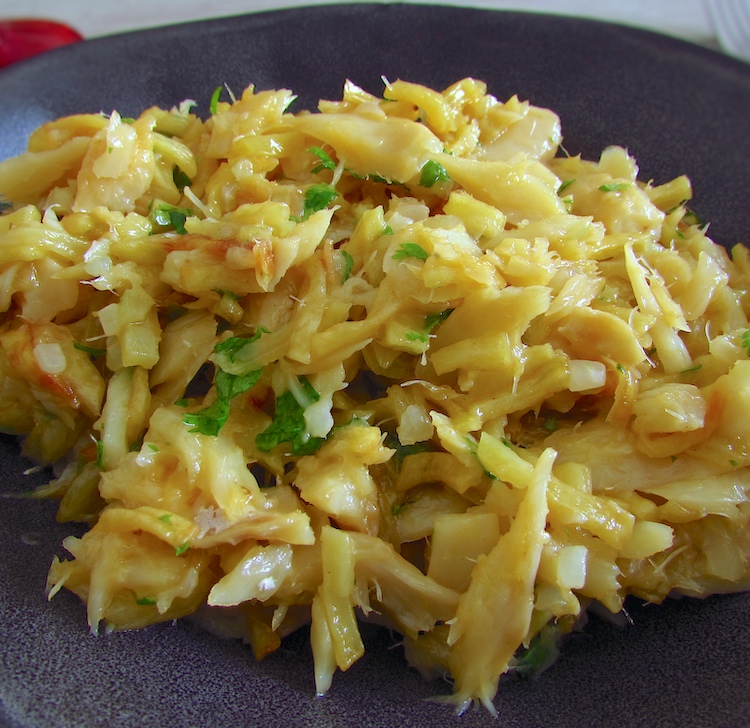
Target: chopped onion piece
x=585 y=375
x=50 y=357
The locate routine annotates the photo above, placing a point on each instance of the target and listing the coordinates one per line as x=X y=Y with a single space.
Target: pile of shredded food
x=400 y=358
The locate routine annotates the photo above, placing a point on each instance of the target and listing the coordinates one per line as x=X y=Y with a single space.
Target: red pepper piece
x=23 y=38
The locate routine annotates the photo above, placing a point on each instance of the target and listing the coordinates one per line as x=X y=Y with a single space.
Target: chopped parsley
x=541 y=653
x=432 y=173
x=550 y=424
x=99 y=461
x=691 y=218
x=384 y=180
x=435 y=319
x=423 y=338
x=376 y=178
x=690 y=370
x=398 y=507
x=232 y=346
x=614 y=187
x=318 y=197
x=326 y=162
x=348 y=265
x=212 y=418
x=675 y=207
x=164 y=215
x=289 y=424
x=430 y=322
x=145 y=601
x=181 y=180
x=166 y=517
x=181 y=549
x=214 y=104
x=410 y=250
x=564 y=185
x=229 y=294
x=93 y=351
x=745 y=341
x=403 y=451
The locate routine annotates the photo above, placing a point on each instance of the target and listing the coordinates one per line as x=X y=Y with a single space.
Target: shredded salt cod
x=400 y=358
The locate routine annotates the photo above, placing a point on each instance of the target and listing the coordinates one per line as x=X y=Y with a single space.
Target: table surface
x=686 y=19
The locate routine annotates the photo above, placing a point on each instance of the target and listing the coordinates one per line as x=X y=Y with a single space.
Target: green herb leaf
x=384 y=180
x=164 y=215
x=325 y=160
x=89 y=349
x=542 y=652
x=377 y=178
x=675 y=207
x=432 y=173
x=564 y=185
x=99 y=462
x=211 y=419
x=348 y=265
x=689 y=370
x=615 y=187
x=181 y=549
x=402 y=451
x=318 y=197
x=691 y=218
x=213 y=106
x=289 y=424
x=235 y=344
x=410 y=250
x=145 y=601
x=167 y=517
x=550 y=424
x=745 y=341
x=398 y=507
x=418 y=336
x=435 y=319
x=229 y=294
x=430 y=322
x=181 y=180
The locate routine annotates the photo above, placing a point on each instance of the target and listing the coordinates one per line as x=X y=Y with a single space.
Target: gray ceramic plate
x=677 y=107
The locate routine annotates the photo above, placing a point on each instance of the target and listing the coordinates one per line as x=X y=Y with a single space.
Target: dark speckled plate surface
x=677 y=107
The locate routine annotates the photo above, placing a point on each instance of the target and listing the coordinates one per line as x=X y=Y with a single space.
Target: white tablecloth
x=687 y=19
